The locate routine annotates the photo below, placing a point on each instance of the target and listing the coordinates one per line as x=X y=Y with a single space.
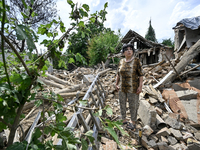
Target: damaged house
x=149 y=52
x=187 y=33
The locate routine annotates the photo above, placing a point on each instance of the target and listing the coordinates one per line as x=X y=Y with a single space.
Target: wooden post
x=173 y=67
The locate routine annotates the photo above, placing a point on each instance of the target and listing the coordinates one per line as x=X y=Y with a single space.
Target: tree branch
x=2 y=120
x=16 y=52
x=2 y=45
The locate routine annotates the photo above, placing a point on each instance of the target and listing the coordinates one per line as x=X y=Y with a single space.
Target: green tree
x=78 y=40
x=168 y=42
x=19 y=81
x=150 y=35
x=100 y=46
x=31 y=13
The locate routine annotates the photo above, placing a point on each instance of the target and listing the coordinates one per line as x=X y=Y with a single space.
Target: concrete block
x=159 y=111
x=152 y=144
x=191 y=109
x=172 y=140
x=173 y=122
x=88 y=79
x=194 y=83
x=163 y=132
x=163 y=146
x=163 y=139
x=176 y=146
x=186 y=95
x=176 y=133
x=147 y=114
x=153 y=137
x=144 y=142
x=147 y=130
x=187 y=136
x=197 y=135
x=152 y=100
x=111 y=145
x=176 y=87
x=194 y=146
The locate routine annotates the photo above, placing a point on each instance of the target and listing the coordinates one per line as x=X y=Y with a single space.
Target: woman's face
x=128 y=52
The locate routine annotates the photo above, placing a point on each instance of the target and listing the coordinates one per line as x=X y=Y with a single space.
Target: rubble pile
x=168 y=115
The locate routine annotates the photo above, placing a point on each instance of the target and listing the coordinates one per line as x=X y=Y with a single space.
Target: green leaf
x=70 y=2
x=37 y=133
x=21 y=34
x=99 y=113
x=17 y=146
x=33 y=14
x=24 y=15
x=89 y=135
x=83 y=102
x=71 y=146
x=24 y=3
x=71 y=60
x=86 y=7
x=81 y=24
x=92 y=19
x=113 y=134
x=106 y=5
x=62 y=27
x=108 y=110
x=83 y=35
x=60 y=117
x=84 y=144
x=118 y=125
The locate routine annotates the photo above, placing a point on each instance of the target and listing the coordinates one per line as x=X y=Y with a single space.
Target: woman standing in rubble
x=130 y=76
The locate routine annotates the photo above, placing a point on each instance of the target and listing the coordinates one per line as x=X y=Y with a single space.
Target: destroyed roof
x=132 y=36
x=191 y=23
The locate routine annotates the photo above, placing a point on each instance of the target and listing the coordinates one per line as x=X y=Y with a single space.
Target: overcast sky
x=135 y=14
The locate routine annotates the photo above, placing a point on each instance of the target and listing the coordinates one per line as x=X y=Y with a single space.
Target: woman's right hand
x=117 y=87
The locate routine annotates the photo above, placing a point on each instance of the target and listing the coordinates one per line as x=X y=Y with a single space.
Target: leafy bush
x=100 y=46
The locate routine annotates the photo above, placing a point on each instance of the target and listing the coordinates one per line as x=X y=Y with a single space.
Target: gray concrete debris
x=163 y=139
x=88 y=79
x=147 y=130
x=194 y=83
x=152 y=100
x=178 y=146
x=191 y=109
x=197 y=135
x=176 y=87
x=172 y=140
x=176 y=133
x=153 y=137
x=163 y=132
x=172 y=122
x=144 y=142
x=186 y=94
x=187 y=135
x=159 y=111
x=163 y=146
x=194 y=146
x=152 y=144
x=147 y=114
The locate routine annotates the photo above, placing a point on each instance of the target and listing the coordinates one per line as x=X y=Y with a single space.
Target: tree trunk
x=187 y=57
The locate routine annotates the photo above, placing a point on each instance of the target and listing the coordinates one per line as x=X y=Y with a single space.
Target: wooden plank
x=95 y=134
x=82 y=120
x=58 y=80
x=54 y=84
x=173 y=67
x=94 y=120
x=190 y=70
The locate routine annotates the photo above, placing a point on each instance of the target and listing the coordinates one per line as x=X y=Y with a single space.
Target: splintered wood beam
x=173 y=67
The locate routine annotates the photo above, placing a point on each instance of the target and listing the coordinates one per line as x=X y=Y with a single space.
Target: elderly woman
x=130 y=75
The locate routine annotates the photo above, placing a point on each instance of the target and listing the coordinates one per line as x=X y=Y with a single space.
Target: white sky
x=135 y=14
